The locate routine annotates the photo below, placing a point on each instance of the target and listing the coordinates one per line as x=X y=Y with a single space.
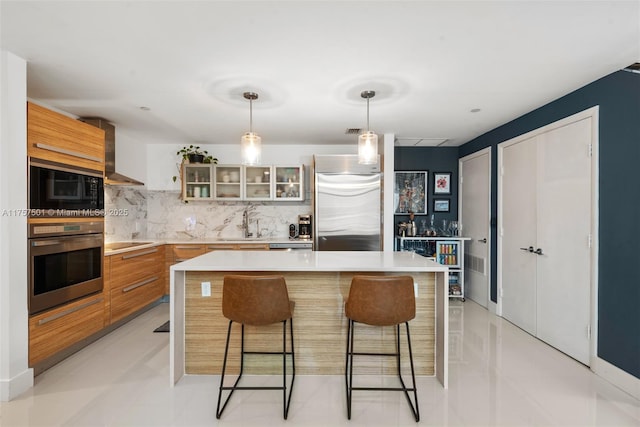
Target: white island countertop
x=309 y=261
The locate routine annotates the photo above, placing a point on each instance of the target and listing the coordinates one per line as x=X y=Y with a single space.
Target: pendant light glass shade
x=251 y=143
x=368 y=148
x=251 y=149
x=368 y=141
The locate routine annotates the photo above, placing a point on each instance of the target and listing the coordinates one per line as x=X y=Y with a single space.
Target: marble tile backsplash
x=134 y=212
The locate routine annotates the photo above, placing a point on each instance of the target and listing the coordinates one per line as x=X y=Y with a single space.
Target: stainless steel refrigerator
x=347 y=204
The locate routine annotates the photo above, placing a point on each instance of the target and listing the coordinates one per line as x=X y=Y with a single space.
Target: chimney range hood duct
x=111 y=176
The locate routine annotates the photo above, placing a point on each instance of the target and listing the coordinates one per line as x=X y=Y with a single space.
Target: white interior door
x=518 y=229
x=475 y=199
x=564 y=226
x=546 y=203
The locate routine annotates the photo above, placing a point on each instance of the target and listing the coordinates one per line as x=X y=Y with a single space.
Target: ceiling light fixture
x=368 y=140
x=251 y=143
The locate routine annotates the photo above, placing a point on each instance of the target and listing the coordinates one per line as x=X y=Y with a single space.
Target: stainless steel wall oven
x=65 y=262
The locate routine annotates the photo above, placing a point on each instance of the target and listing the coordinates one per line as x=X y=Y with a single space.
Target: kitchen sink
x=123 y=245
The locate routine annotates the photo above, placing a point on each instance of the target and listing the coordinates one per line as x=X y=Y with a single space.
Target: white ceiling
x=429 y=62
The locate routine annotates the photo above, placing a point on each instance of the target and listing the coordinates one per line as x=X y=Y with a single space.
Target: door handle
x=529 y=249
x=482 y=240
x=538 y=251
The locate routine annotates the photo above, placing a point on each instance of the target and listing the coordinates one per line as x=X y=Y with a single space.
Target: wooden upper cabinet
x=58 y=138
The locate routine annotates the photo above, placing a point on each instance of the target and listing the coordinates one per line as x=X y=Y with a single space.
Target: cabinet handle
x=539 y=251
x=529 y=249
x=189 y=248
x=68 y=152
x=69 y=311
x=46 y=242
x=482 y=240
x=137 y=285
x=150 y=251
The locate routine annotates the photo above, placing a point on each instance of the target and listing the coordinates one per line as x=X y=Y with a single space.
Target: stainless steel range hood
x=111 y=176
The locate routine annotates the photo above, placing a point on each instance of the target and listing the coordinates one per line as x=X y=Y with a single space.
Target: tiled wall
x=134 y=212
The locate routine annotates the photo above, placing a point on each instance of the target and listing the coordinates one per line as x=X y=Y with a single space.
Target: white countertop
x=309 y=261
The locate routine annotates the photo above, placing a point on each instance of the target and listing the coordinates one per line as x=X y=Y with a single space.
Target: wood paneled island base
x=319 y=328
x=319 y=286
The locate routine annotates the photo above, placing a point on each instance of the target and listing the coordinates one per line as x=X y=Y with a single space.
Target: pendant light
x=368 y=141
x=251 y=143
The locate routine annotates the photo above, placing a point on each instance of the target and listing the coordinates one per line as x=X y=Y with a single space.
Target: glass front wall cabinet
x=289 y=182
x=257 y=183
x=196 y=181
x=228 y=182
x=238 y=182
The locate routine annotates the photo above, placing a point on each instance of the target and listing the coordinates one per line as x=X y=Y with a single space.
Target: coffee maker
x=304 y=227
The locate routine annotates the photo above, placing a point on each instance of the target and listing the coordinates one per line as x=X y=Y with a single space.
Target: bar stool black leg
x=349 y=370
x=224 y=367
x=287 y=400
x=415 y=409
x=350 y=356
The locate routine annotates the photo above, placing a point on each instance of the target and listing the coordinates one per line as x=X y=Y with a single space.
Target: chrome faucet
x=245 y=224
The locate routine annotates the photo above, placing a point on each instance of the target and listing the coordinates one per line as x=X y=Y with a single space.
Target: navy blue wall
x=618 y=96
x=432 y=159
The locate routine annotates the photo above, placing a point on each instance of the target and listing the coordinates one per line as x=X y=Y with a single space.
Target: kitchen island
x=319 y=283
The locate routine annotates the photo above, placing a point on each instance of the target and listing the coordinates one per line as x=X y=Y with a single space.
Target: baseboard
x=14 y=387
x=616 y=376
x=493 y=308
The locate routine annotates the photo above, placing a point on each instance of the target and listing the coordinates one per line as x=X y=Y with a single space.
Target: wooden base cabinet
x=137 y=280
x=61 y=327
x=178 y=253
x=239 y=246
x=181 y=252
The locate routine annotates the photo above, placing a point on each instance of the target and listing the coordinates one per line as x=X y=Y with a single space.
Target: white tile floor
x=499 y=375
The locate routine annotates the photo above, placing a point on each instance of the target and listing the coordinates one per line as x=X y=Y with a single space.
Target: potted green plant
x=193 y=154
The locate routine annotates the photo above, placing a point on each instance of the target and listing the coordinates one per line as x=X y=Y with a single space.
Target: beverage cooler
x=444 y=250
x=448 y=253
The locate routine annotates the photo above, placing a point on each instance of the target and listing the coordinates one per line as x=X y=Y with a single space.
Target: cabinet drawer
x=129 y=299
x=57 y=329
x=238 y=247
x=184 y=252
x=131 y=267
x=58 y=138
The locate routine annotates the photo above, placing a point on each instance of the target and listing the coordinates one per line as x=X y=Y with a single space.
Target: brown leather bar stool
x=257 y=301
x=381 y=301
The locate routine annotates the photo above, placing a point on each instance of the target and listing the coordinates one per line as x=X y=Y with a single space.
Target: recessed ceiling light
x=475 y=110
x=143 y=108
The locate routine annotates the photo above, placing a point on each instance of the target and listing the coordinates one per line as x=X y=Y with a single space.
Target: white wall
x=131 y=155
x=15 y=375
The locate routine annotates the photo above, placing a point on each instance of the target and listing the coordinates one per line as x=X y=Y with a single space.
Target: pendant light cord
x=251 y=115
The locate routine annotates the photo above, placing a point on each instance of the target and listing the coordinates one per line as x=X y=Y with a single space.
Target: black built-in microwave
x=62 y=191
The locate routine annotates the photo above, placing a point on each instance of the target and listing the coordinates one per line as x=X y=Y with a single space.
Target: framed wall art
x=441 y=205
x=410 y=192
x=442 y=183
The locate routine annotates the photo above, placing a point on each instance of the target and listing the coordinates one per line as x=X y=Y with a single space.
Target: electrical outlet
x=206 y=289
x=190 y=223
